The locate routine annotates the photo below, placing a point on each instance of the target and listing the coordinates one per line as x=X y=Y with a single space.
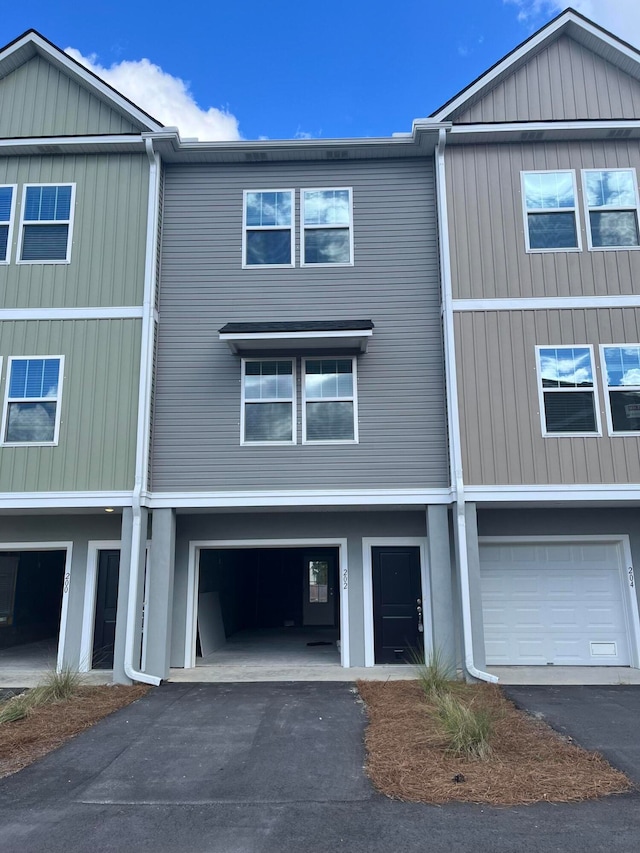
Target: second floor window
x=47 y=211
x=329 y=404
x=32 y=403
x=326 y=227
x=268 y=228
x=7 y=206
x=567 y=391
x=611 y=198
x=550 y=211
x=268 y=402
x=622 y=384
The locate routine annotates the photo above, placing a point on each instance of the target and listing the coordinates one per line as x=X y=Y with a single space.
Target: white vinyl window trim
x=244 y=401
x=8 y=400
x=550 y=210
x=541 y=392
x=256 y=228
x=338 y=399
x=611 y=388
x=304 y=227
x=8 y=223
x=623 y=208
x=35 y=223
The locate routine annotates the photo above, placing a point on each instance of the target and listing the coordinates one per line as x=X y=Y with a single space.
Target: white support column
x=160 y=578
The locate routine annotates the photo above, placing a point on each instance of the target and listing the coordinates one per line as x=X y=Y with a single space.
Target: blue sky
x=289 y=68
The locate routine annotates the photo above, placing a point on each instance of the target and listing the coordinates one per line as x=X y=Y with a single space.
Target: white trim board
x=66 y=500
x=117 y=312
x=195 y=546
x=66 y=583
x=627 y=578
x=369 y=542
x=545 y=303
x=554 y=493
x=300 y=497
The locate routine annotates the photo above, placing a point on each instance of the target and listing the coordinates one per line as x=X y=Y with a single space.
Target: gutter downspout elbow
x=144 y=418
x=453 y=421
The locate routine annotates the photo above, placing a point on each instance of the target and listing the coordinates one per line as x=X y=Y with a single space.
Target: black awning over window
x=298 y=335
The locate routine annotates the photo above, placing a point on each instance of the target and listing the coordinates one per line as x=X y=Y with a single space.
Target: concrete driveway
x=275 y=768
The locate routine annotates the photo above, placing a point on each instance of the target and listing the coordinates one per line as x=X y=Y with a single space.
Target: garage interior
x=31 y=585
x=268 y=607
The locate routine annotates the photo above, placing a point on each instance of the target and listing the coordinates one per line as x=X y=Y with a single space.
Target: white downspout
x=453 y=418
x=144 y=414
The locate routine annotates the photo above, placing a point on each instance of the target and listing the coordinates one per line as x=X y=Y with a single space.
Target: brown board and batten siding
x=486 y=223
x=37 y=99
x=499 y=403
x=564 y=81
x=393 y=282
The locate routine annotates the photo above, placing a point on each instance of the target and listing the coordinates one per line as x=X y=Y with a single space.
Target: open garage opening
x=31 y=589
x=268 y=607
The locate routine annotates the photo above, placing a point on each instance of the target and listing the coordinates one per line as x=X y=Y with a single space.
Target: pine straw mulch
x=529 y=762
x=49 y=726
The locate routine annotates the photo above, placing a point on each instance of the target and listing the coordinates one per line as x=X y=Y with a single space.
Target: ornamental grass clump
x=434 y=675
x=466 y=727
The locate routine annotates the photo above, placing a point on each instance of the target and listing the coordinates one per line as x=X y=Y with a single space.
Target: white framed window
x=8 y=194
x=567 y=391
x=33 y=393
x=620 y=365
x=268 y=401
x=611 y=208
x=267 y=228
x=46 y=224
x=326 y=217
x=329 y=400
x=550 y=211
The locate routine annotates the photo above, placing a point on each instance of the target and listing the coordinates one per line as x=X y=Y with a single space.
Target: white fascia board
x=240 y=341
x=531 y=45
x=63 y=500
x=546 y=303
x=116 y=312
x=559 y=128
x=555 y=493
x=69 y=141
x=300 y=497
x=80 y=73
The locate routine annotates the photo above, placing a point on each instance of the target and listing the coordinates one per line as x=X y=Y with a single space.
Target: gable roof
x=32 y=43
x=568 y=23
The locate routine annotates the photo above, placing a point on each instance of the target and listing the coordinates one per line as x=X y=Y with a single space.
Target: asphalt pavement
x=276 y=768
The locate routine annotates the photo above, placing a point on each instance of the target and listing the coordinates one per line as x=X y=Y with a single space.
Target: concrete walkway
x=263 y=768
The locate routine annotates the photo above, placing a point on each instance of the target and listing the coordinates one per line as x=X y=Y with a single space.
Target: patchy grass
x=42 y=719
x=410 y=755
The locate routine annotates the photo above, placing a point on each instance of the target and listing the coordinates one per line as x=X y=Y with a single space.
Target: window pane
x=326 y=207
x=552 y=231
x=45 y=242
x=31 y=422
x=268 y=380
x=571 y=411
x=34 y=377
x=329 y=378
x=623 y=365
x=566 y=367
x=267 y=422
x=47 y=203
x=329 y=246
x=548 y=190
x=4 y=238
x=268 y=247
x=330 y=421
x=618 y=228
x=5 y=203
x=625 y=410
x=318 y=581
x=610 y=189
x=268 y=208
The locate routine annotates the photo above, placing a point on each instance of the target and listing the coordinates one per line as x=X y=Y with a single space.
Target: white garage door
x=555 y=603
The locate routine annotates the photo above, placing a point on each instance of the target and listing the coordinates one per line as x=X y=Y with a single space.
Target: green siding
x=109 y=233
x=39 y=100
x=97 y=442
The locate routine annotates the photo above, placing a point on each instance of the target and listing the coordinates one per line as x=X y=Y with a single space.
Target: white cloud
x=621 y=17
x=166 y=98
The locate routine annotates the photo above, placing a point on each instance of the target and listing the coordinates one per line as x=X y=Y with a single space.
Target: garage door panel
x=554 y=603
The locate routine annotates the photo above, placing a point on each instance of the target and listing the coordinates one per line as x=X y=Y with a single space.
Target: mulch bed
x=49 y=726
x=408 y=758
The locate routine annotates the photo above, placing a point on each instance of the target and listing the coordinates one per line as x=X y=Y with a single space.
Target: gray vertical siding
x=394 y=282
x=563 y=81
x=498 y=398
x=38 y=99
x=109 y=230
x=488 y=256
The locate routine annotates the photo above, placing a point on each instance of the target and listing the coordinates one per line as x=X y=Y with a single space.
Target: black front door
x=106 y=605
x=397 y=604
